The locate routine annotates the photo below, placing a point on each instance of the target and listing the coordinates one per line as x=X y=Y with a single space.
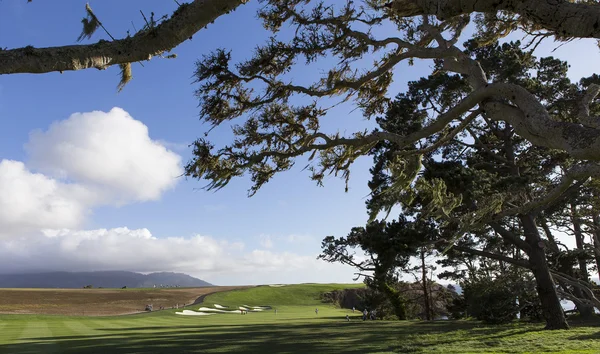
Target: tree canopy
x=512 y=117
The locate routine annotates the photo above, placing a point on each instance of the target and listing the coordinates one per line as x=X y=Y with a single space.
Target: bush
x=493 y=301
x=457 y=308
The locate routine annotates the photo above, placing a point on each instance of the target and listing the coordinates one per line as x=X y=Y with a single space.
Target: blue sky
x=271 y=237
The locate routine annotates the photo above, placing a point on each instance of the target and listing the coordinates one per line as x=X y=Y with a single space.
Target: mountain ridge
x=99 y=279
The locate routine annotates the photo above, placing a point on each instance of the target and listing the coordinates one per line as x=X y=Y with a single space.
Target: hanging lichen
x=125 y=75
x=403 y=171
x=90 y=24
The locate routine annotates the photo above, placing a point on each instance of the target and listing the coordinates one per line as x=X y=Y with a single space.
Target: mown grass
x=294 y=329
x=289 y=295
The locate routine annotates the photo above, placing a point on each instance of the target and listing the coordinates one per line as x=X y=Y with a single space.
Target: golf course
x=293 y=328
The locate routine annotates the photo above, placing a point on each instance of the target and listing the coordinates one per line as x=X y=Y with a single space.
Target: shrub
x=493 y=301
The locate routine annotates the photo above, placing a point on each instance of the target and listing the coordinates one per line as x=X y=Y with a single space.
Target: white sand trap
x=206 y=309
x=257 y=308
x=276 y=285
x=219 y=306
x=243 y=308
x=193 y=313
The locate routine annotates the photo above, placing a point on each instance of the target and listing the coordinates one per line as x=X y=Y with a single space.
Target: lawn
x=294 y=329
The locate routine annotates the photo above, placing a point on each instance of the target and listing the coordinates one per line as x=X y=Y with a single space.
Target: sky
x=90 y=178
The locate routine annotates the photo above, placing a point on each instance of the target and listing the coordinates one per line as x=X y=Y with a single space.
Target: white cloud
x=219 y=262
x=91 y=159
x=109 y=151
x=107 y=158
x=30 y=201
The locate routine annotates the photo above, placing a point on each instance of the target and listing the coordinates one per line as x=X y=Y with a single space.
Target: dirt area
x=98 y=302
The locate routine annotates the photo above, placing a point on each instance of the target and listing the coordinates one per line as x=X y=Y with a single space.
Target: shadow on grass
x=273 y=338
x=318 y=337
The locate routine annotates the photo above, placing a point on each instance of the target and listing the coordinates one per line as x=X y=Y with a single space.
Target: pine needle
x=90 y=24
x=125 y=75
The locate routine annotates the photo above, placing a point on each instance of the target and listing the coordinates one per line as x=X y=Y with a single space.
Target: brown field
x=98 y=302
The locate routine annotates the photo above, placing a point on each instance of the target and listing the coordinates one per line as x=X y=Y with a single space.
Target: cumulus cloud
x=89 y=159
x=220 y=262
x=108 y=158
x=109 y=151
x=30 y=201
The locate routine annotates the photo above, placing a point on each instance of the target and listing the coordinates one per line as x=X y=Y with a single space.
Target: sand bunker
x=193 y=313
x=208 y=309
x=276 y=285
x=259 y=308
x=203 y=311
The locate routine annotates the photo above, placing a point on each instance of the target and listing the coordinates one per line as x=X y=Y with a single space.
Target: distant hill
x=109 y=279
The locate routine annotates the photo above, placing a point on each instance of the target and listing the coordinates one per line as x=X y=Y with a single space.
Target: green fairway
x=294 y=329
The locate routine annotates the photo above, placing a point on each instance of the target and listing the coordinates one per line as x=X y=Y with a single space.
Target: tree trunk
x=427 y=303
x=549 y=235
x=551 y=307
x=585 y=310
x=398 y=302
x=583 y=272
x=596 y=236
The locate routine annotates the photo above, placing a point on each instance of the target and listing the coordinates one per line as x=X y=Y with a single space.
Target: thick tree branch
x=584 y=287
x=584 y=107
x=510 y=237
x=579 y=173
x=531 y=121
x=576 y=300
x=441 y=141
x=517 y=262
x=564 y=18
x=551 y=239
x=183 y=24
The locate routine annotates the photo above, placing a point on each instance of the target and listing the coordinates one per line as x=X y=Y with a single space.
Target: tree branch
x=551 y=239
x=183 y=24
x=578 y=173
x=517 y=262
x=510 y=237
x=564 y=18
x=441 y=141
x=584 y=107
x=566 y=279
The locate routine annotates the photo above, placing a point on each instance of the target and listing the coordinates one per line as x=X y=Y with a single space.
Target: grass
x=295 y=329
x=290 y=295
